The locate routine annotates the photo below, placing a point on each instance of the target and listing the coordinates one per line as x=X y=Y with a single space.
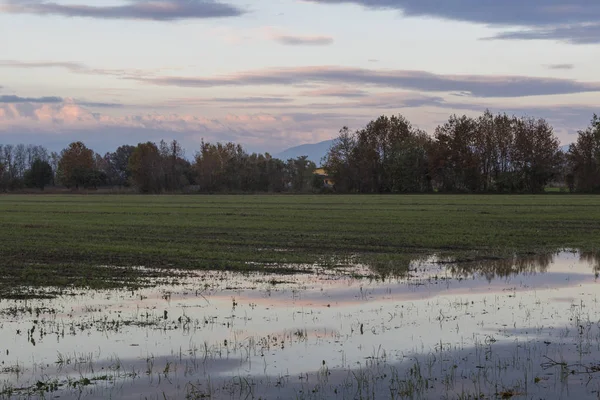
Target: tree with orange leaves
x=76 y=165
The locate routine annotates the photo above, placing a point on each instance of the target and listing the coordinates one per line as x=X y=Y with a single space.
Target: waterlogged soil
x=523 y=328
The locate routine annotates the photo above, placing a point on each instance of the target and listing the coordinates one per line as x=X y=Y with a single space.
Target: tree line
x=153 y=168
x=487 y=154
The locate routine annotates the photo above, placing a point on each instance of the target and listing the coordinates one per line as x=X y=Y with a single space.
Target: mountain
x=314 y=151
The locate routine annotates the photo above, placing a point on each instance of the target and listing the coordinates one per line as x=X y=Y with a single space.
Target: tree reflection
x=503 y=268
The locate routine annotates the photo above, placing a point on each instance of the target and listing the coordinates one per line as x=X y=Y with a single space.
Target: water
x=525 y=328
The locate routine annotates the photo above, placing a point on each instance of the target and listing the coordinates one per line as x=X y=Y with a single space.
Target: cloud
x=388 y=101
x=17 y=99
x=473 y=85
x=155 y=10
x=13 y=99
x=304 y=40
x=394 y=101
x=99 y=104
x=503 y=13
x=57 y=124
x=281 y=36
x=60 y=123
x=560 y=66
x=252 y=100
x=374 y=102
x=237 y=102
x=79 y=68
x=573 y=34
x=573 y=21
x=71 y=66
x=335 y=92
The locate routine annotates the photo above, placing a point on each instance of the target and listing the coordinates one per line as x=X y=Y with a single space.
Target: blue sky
x=277 y=73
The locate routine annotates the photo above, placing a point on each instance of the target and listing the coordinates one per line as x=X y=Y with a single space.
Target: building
x=327 y=180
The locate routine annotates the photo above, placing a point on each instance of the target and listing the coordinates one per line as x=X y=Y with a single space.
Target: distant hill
x=314 y=151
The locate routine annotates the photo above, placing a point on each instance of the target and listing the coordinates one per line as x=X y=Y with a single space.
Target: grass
x=64 y=240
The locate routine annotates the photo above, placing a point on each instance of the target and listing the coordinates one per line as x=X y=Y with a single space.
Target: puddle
x=524 y=328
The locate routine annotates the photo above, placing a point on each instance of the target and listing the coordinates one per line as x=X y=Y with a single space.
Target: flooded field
x=525 y=328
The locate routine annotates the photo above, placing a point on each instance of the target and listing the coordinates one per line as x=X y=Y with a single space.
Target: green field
x=65 y=239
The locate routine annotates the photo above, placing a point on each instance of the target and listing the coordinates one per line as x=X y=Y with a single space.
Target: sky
x=272 y=74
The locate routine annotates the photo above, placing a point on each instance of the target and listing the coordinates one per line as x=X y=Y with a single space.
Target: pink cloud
x=476 y=86
x=259 y=131
x=296 y=39
x=334 y=91
x=267 y=130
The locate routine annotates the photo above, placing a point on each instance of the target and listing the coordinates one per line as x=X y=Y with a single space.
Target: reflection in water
x=491 y=269
x=479 y=329
x=503 y=268
x=593 y=259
